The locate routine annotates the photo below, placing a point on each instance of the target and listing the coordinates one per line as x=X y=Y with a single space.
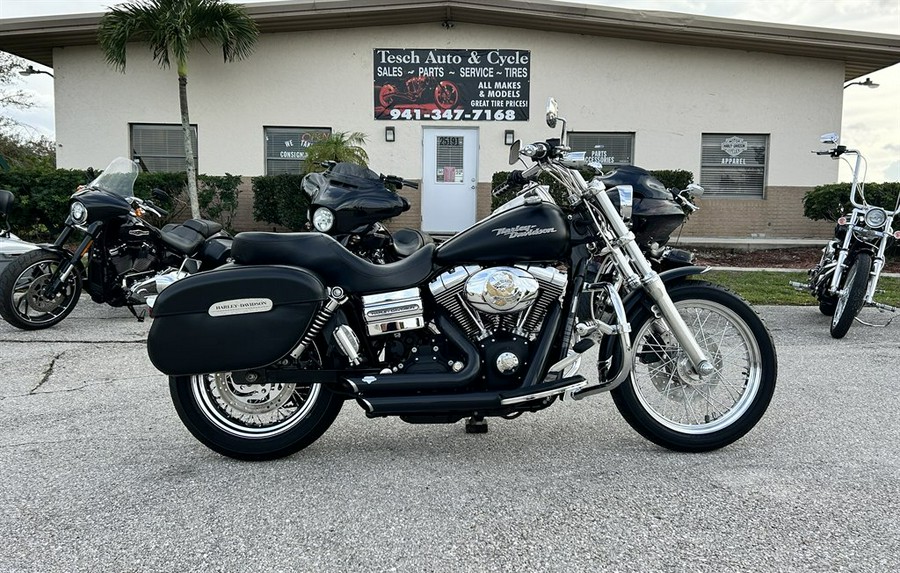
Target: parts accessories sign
x=456 y=85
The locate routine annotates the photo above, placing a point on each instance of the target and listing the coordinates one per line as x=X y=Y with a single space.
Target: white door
x=451 y=175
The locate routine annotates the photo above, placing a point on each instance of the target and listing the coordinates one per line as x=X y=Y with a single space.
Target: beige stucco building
x=739 y=104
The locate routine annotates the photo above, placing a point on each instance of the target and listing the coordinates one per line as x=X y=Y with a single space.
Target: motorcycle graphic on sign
x=420 y=90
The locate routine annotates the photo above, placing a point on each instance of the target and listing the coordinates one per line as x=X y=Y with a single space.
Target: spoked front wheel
x=671 y=405
x=852 y=296
x=24 y=298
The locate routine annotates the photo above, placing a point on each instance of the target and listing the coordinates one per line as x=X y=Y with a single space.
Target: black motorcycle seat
x=6 y=201
x=182 y=238
x=408 y=241
x=329 y=259
x=205 y=227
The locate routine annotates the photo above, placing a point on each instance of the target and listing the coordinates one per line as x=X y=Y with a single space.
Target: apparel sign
x=457 y=85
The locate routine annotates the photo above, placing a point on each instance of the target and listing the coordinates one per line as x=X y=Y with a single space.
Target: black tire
x=827 y=305
x=850 y=300
x=746 y=369
x=21 y=302
x=254 y=421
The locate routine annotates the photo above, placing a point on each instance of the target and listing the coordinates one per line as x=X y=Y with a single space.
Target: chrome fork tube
x=652 y=284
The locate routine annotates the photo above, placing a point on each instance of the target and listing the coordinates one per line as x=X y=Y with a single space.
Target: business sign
x=457 y=85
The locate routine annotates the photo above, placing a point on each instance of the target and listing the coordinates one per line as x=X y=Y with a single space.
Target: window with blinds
x=449 y=159
x=604 y=148
x=161 y=146
x=286 y=147
x=734 y=165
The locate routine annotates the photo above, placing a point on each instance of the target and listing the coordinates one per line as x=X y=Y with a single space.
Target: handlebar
x=399 y=181
x=148 y=205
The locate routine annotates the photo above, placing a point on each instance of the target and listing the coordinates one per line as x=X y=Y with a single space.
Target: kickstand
x=476 y=425
x=139 y=317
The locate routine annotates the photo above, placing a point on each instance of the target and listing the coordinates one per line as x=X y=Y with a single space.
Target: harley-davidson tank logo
x=138 y=232
x=240 y=306
x=523 y=231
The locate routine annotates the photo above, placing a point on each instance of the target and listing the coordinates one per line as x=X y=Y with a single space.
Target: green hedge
x=42 y=198
x=828 y=202
x=671 y=178
x=280 y=200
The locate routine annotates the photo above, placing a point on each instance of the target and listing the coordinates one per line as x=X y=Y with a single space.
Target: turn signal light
x=842 y=221
x=897 y=235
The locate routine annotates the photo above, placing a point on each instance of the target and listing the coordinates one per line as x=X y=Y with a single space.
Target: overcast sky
x=871 y=121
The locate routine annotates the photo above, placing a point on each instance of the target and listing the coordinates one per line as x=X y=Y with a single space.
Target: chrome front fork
x=632 y=259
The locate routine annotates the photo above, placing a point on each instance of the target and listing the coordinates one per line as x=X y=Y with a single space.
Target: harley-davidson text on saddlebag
x=233 y=318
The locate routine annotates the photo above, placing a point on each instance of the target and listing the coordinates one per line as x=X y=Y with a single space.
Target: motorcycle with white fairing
x=493 y=322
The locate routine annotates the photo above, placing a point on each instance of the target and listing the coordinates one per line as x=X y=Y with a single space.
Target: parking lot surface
x=98 y=474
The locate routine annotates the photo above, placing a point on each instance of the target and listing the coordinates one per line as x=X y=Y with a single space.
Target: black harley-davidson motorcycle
x=127 y=258
x=349 y=202
x=486 y=324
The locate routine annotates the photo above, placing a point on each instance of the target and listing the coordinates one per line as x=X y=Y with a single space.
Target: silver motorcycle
x=11 y=246
x=846 y=278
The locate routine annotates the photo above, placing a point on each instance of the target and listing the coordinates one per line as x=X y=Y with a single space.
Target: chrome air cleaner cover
x=501 y=290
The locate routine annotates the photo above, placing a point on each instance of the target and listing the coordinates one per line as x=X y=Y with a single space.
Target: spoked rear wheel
x=253 y=421
x=851 y=298
x=671 y=405
x=24 y=300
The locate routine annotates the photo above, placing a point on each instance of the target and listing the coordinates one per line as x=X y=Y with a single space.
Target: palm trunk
x=188 y=147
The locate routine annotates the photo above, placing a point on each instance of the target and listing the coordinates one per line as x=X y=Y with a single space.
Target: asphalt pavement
x=98 y=474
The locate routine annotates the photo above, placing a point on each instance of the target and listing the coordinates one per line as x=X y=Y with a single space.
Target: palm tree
x=171 y=28
x=340 y=146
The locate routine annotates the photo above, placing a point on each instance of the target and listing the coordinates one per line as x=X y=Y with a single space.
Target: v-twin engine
x=484 y=301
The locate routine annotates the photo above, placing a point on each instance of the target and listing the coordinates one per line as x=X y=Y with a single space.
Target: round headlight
x=876 y=218
x=323 y=219
x=79 y=213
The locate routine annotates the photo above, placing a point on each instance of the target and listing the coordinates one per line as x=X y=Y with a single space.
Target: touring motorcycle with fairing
x=350 y=203
x=262 y=354
x=122 y=259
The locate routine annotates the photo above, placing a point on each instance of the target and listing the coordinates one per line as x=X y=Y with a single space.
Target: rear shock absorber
x=335 y=299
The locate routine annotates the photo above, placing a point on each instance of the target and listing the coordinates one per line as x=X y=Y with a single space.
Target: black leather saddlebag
x=232 y=318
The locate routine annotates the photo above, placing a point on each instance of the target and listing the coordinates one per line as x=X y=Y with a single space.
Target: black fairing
x=357 y=196
x=527 y=233
x=273 y=306
x=102 y=205
x=655 y=214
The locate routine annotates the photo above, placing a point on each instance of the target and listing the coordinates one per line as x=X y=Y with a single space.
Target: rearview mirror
x=514 y=152
x=830 y=138
x=552 y=112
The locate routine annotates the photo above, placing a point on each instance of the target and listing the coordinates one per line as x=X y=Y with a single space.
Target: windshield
x=118 y=177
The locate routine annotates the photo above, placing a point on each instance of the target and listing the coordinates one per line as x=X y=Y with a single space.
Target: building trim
x=862 y=52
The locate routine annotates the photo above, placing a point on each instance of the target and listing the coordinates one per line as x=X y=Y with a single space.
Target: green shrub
x=280 y=200
x=218 y=198
x=42 y=200
x=674 y=178
x=42 y=197
x=828 y=202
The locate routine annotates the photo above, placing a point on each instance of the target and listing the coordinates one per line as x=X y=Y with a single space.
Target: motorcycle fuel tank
x=536 y=233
